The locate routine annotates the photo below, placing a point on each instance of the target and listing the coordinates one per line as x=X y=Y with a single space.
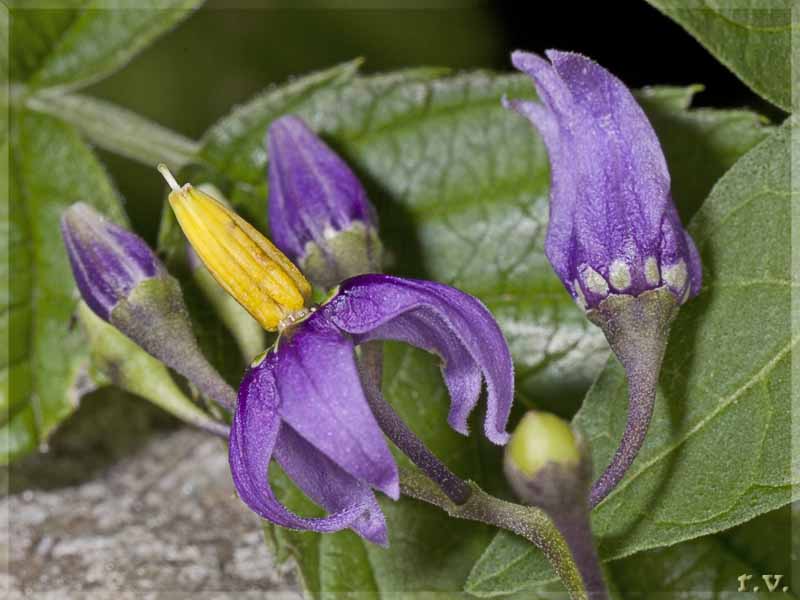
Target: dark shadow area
x=633 y=40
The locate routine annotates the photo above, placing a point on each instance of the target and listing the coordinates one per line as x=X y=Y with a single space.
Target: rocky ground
x=157 y=518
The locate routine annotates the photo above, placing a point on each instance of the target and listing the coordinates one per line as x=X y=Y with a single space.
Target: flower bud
x=545 y=463
x=108 y=262
x=124 y=283
x=613 y=228
x=242 y=260
x=318 y=210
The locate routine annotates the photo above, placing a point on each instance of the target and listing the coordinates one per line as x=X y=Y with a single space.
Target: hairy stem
x=641 y=399
x=576 y=530
x=371 y=368
x=527 y=521
x=637 y=329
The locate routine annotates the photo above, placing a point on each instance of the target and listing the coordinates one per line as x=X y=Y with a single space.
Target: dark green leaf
x=461 y=188
x=752 y=38
x=710 y=567
x=718 y=450
x=34 y=34
x=72 y=47
x=51 y=168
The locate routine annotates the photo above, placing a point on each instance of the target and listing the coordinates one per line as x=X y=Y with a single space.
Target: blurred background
x=229 y=50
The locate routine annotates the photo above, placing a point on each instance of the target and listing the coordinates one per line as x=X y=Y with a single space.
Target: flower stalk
x=548 y=466
x=637 y=329
x=529 y=522
x=371 y=368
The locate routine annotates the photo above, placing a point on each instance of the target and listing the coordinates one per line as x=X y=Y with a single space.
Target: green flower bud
x=545 y=462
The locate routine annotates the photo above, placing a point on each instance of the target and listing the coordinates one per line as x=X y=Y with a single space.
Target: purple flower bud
x=108 y=262
x=613 y=226
x=318 y=210
x=123 y=282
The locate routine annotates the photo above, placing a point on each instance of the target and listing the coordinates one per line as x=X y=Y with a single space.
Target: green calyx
x=342 y=255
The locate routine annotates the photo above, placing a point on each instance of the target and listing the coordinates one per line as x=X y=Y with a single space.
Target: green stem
x=371 y=368
x=527 y=521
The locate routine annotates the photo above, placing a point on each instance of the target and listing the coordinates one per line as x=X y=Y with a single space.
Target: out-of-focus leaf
x=45 y=359
x=118 y=130
x=85 y=41
x=753 y=38
x=35 y=32
x=718 y=449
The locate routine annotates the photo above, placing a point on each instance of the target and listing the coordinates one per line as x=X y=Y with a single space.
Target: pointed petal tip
x=391 y=485
x=523 y=60
x=377 y=535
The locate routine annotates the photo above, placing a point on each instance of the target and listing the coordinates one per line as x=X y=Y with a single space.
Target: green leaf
x=752 y=38
x=718 y=449
x=461 y=188
x=709 y=567
x=118 y=130
x=34 y=34
x=42 y=367
x=71 y=48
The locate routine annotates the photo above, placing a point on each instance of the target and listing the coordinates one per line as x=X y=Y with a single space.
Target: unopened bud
x=123 y=282
x=545 y=462
x=319 y=213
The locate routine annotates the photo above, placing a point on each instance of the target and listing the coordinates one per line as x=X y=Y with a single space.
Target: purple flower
x=613 y=226
x=303 y=403
x=318 y=210
x=108 y=262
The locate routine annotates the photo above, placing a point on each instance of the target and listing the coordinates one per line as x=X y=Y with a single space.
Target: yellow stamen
x=245 y=263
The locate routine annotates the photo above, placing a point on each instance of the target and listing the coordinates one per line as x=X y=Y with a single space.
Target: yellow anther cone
x=244 y=262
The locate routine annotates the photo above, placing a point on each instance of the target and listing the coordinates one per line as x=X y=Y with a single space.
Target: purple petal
x=323 y=401
x=328 y=485
x=439 y=319
x=312 y=192
x=107 y=261
x=610 y=188
x=254 y=433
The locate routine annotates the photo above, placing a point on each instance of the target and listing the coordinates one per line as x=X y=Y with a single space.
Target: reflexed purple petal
x=107 y=261
x=254 y=433
x=312 y=192
x=328 y=485
x=440 y=319
x=324 y=402
x=610 y=205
